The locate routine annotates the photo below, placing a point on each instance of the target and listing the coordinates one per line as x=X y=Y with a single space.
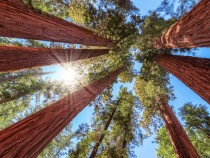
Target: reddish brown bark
x=193 y=72
x=16 y=58
x=181 y=143
x=19 y=21
x=27 y=138
x=192 y=30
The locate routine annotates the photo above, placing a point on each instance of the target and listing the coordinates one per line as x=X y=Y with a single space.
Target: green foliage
x=197 y=123
x=148 y=93
x=9 y=42
x=125 y=120
x=121 y=6
x=165 y=148
x=152 y=28
x=176 y=8
x=196 y=118
x=59 y=145
x=107 y=18
x=83 y=147
x=9 y=110
x=19 y=88
x=80 y=11
x=56 y=7
x=153 y=81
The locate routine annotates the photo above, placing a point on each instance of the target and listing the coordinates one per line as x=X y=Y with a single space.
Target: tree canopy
x=122 y=118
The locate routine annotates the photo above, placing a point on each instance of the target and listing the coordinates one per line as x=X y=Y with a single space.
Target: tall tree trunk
x=19 y=21
x=28 y=137
x=192 y=30
x=19 y=76
x=17 y=58
x=192 y=71
x=181 y=143
x=98 y=143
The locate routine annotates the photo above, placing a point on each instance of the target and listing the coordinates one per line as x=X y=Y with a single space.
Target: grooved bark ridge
x=192 y=71
x=17 y=58
x=28 y=137
x=192 y=30
x=181 y=143
x=19 y=21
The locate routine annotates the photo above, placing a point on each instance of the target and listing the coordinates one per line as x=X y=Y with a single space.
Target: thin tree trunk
x=28 y=137
x=192 y=30
x=181 y=143
x=193 y=72
x=17 y=58
x=15 y=77
x=123 y=147
x=19 y=21
x=125 y=134
x=98 y=143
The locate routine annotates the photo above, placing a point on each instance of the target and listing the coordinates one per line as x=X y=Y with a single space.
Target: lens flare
x=69 y=76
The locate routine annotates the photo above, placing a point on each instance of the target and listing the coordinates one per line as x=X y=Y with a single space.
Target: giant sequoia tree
x=154 y=89
x=153 y=98
x=179 y=139
x=192 y=71
x=192 y=30
x=12 y=57
x=49 y=121
x=115 y=21
x=37 y=25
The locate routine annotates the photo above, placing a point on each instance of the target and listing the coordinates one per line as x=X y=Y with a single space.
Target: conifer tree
x=48 y=24
x=12 y=57
x=11 y=77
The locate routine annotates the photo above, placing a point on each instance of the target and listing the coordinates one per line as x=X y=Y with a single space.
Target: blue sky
x=183 y=93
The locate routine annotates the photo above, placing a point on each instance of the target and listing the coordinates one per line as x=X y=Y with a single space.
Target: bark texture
x=192 y=30
x=19 y=21
x=28 y=137
x=17 y=58
x=98 y=143
x=181 y=143
x=192 y=71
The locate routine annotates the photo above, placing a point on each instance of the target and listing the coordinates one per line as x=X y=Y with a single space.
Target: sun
x=69 y=75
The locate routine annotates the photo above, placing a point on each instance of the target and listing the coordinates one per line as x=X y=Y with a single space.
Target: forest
x=104 y=79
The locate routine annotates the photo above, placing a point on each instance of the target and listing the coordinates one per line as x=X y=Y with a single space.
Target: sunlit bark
x=192 y=30
x=181 y=143
x=17 y=58
x=19 y=21
x=192 y=71
x=27 y=138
